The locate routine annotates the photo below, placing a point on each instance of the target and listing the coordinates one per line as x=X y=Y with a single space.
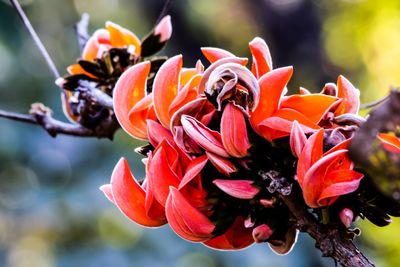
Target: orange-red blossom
x=175 y=117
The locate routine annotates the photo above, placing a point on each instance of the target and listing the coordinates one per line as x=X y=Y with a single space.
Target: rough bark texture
x=328 y=237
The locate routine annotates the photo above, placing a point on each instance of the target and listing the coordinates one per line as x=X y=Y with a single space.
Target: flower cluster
x=105 y=56
x=226 y=141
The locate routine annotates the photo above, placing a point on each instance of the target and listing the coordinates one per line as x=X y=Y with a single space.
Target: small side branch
x=42 y=116
x=81 y=30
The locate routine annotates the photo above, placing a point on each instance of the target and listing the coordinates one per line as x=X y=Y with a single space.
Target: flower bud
x=346 y=217
x=261 y=233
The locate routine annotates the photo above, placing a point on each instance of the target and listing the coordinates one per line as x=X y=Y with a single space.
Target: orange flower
x=173 y=87
x=107 y=54
x=323 y=177
x=261 y=92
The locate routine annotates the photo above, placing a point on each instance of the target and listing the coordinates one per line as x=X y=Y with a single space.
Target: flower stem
x=36 y=38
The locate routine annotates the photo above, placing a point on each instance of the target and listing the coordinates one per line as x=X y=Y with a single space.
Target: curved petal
x=121 y=37
x=157 y=133
x=311 y=152
x=130 y=197
x=101 y=36
x=314 y=179
x=223 y=165
x=313 y=106
x=304 y=91
x=107 y=190
x=186 y=221
x=165 y=88
x=272 y=85
x=216 y=64
x=192 y=170
x=234 y=131
x=298 y=139
x=185 y=95
x=350 y=95
x=129 y=90
x=390 y=142
x=206 y=138
x=280 y=124
x=213 y=54
x=235 y=238
x=242 y=189
x=340 y=182
x=262 y=61
x=160 y=175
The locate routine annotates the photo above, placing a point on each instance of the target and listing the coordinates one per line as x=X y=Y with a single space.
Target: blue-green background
x=51 y=211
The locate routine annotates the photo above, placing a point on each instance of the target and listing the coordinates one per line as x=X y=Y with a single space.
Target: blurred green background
x=51 y=211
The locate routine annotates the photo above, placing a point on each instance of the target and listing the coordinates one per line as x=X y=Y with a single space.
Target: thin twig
x=36 y=38
x=164 y=11
x=17 y=116
x=374 y=103
x=81 y=30
x=41 y=116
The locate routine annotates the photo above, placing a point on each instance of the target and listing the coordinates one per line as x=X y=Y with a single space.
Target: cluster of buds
x=226 y=142
x=105 y=56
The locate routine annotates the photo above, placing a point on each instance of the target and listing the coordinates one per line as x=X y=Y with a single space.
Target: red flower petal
x=160 y=173
x=272 y=85
x=242 y=189
x=350 y=95
x=234 y=131
x=340 y=182
x=165 y=88
x=262 y=60
x=298 y=139
x=390 y=142
x=314 y=180
x=192 y=170
x=157 y=133
x=129 y=90
x=213 y=54
x=186 y=221
x=223 y=165
x=312 y=106
x=185 y=94
x=206 y=138
x=262 y=233
x=280 y=124
x=235 y=238
x=92 y=45
x=304 y=91
x=107 y=190
x=130 y=197
x=311 y=152
x=121 y=37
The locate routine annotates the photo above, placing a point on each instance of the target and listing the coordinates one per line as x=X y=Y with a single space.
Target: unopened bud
x=330 y=89
x=346 y=216
x=164 y=29
x=261 y=233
